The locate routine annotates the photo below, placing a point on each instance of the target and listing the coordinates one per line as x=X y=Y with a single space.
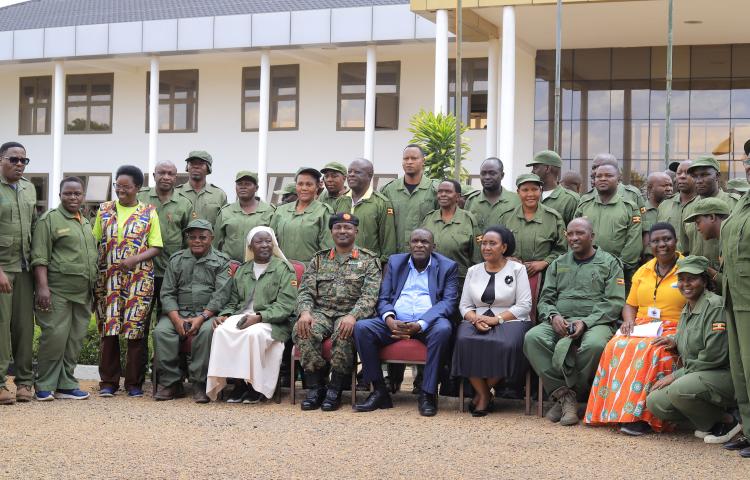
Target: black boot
x=332 y=401
x=427 y=404
x=379 y=398
x=315 y=393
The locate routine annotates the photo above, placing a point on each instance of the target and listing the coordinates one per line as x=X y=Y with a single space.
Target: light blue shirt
x=415 y=299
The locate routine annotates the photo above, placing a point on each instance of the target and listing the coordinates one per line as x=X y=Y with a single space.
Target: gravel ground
x=140 y=438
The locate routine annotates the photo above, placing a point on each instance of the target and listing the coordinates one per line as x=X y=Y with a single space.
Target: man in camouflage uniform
x=340 y=286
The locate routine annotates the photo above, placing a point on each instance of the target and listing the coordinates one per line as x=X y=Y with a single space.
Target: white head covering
x=249 y=256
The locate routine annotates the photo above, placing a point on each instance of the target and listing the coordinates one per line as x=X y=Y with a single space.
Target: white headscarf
x=249 y=256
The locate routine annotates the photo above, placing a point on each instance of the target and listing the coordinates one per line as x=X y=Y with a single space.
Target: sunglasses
x=17 y=160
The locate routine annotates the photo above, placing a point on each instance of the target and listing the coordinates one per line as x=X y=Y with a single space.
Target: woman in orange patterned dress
x=630 y=365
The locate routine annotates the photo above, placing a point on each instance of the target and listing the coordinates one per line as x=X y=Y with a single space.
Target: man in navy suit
x=418 y=296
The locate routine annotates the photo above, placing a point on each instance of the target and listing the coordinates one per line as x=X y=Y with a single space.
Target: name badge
x=654 y=313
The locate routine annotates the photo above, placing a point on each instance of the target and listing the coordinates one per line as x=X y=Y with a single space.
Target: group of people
x=636 y=304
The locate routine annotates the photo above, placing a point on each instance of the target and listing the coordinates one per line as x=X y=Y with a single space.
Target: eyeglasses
x=125 y=188
x=17 y=160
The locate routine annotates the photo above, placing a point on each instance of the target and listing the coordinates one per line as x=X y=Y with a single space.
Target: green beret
x=528 y=177
x=246 y=174
x=707 y=206
x=334 y=167
x=705 y=162
x=546 y=157
x=199 y=223
x=694 y=264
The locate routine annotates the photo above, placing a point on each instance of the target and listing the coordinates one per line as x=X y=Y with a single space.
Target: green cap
x=704 y=162
x=246 y=174
x=309 y=171
x=694 y=264
x=528 y=177
x=707 y=206
x=546 y=157
x=287 y=189
x=201 y=223
x=739 y=184
x=334 y=167
x=201 y=155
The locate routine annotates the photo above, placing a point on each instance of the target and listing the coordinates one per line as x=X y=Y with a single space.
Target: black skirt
x=497 y=353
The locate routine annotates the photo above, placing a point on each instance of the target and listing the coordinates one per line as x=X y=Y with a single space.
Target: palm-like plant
x=436 y=134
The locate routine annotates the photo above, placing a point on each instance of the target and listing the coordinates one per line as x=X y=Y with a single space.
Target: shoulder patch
x=294 y=283
x=643 y=210
x=718 y=326
x=620 y=281
x=389 y=211
x=478 y=238
x=636 y=219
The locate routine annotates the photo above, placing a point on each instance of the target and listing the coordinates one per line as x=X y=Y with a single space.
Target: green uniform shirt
x=628 y=192
x=563 y=201
x=377 y=226
x=670 y=211
x=17 y=221
x=273 y=294
x=206 y=203
x=337 y=204
x=691 y=240
x=65 y=245
x=174 y=215
x=649 y=217
x=735 y=251
x=300 y=235
x=233 y=224
x=338 y=285
x=410 y=208
x=593 y=292
x=456 y=239
x=192 y=285
x=541 y=238
x=485 y=212
x=617 y=226
x=702 y=336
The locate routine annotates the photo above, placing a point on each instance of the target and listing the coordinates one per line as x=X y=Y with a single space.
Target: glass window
x=41 y=186
x=710 y=98
x=351 y=95
x=178 y=101
x=284 y=97
x=544 y=107
x=88 y=103
x=473 y=91
x=33 y=108
x=740 y=101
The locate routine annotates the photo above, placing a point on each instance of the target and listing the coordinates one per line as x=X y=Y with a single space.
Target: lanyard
x=659 y=278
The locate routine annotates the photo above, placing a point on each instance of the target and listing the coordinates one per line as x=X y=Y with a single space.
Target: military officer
x=192 y=293
x=206 y=197
x=670 y=210
x=17 y=220
x=63 y=254
x=546 y=165
x=628 y=192
x=412 y=196
x=700 y=390
x=237 y=219
x=493 y=200
x=582 y=298
x=340 y=286
x=334 y=179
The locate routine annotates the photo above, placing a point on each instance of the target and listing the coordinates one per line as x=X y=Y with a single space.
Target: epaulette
x=177 y=253
x=221 y=254
x=473 y=193
x=46 y=214
x=387 y=183
x=551 y=210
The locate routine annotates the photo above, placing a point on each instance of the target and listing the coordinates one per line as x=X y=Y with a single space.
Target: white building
x=289 y=81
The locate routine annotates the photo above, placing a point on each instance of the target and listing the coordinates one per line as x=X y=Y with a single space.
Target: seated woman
x=495 y=305
x=249 y=344
x=630 y=364
x=701 y=390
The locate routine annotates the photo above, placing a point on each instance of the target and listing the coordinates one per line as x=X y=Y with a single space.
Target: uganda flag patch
x=294 y=283
x=636 y=219
x=479 y=239
x=643 y=210
x=389 y=211
x=718 y=326
x=621 y=281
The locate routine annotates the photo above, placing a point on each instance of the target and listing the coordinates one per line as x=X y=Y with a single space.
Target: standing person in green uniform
x=616 y=221
x=334 y=179
x=546 y=165
x=340 y=287
x=377 y=227
x=493 y=200
x=206 y=197
x=287 y=194
x=735 y=250
x=17 y=219
x=658 y=189
x=628 y=192
x=572 y=181
x=237 y=219
x=582 y=298
x=412 y=196
x=700 y=391
x=192 y=294
x=456 y=232
x=63 y=254
x=539 y=230
x=302 y=226
x=670 y=210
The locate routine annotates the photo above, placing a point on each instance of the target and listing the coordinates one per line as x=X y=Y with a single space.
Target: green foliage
x=436 y=134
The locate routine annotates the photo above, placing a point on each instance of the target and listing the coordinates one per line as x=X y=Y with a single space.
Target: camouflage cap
x=704 y=162
x=334 y=167
x=246 y=174
x=199 y=223
x=708 y=206
x=694 y=264
x=546 y=157
x=342 y=217
x=528 y=177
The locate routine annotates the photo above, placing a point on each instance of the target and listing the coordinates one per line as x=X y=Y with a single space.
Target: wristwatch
x=204 y=315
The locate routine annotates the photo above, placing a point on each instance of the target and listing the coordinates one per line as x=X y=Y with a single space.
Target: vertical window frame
x=361 y=96
x=35 y=105
x=89 y=79
x=164 y=77
x=273 y=97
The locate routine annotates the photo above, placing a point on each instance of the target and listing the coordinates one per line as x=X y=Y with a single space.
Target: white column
x=370 y=84
x=153 y=118
x=58 y=129
x=493 y=58
x=508 y=94
x=265 y=102
x=441 y=62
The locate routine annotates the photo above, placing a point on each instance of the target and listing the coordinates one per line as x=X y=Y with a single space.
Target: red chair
x=408 y=351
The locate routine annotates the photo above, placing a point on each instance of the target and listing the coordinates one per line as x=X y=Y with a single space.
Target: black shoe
x=251 y=396
x=379 y=398
x=745 y=452
x=332 y=400
x=723 y=432
x=239 y=391
x=427 y=407
x=392 y=385
x=738 y=443
x=314 y=398
x=417 y=383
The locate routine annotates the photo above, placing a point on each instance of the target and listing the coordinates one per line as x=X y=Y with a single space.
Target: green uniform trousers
x=63 y=329
x=167 y=353
x=700 y=397
x=539 y=347
x=738 y=333
x=311 y=348
x=17 y=328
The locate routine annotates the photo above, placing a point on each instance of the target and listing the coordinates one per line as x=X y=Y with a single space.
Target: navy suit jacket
x=442 y=282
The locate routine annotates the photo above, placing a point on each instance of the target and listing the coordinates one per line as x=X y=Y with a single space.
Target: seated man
x=340 y=287
x=418 y=296
x=191 y=294
x=582 y=298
